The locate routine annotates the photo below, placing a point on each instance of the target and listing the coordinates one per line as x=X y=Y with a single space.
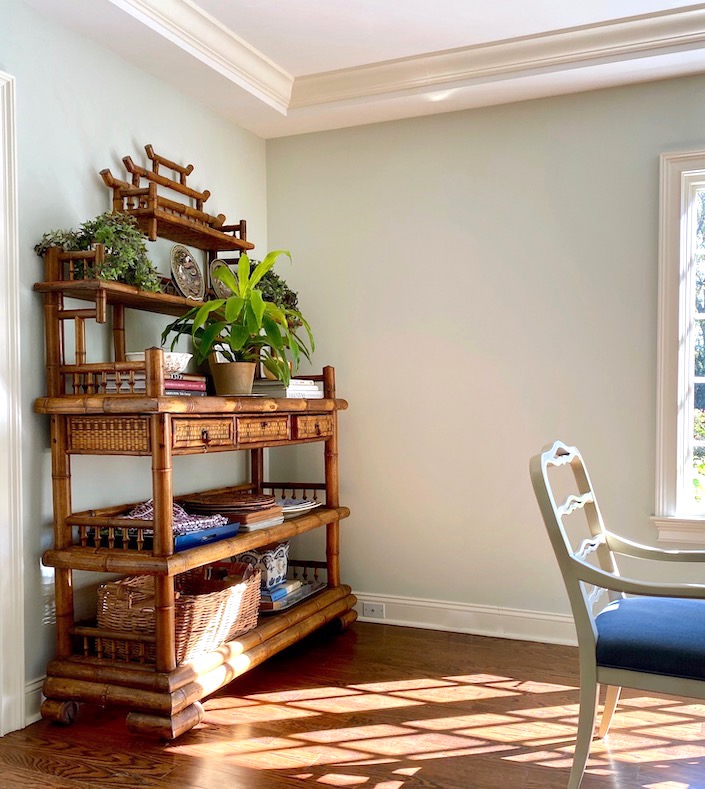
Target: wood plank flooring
x=380 y=707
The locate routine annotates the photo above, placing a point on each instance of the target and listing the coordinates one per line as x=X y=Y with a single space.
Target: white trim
x=677 y=172
x=12 y=662
x=479 y=620
x=558 y=51
x=33 y=698
x=196 y=32
x=688 y=530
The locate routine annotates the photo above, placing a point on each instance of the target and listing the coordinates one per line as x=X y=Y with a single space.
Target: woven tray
x=214 y=604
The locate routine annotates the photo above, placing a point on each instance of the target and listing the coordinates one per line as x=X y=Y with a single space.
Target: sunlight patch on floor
x=645 y=730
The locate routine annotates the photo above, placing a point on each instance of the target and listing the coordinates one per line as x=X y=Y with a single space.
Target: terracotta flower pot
x=233 y=378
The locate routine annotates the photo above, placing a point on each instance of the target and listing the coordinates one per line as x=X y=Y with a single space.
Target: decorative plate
x=221 y=290
x=291 y=507
x=186 y=273
x=227 y=502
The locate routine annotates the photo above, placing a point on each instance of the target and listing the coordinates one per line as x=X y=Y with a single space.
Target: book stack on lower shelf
x=188 y=384
x=288 y=593
x=251 y=511
x=298 y=387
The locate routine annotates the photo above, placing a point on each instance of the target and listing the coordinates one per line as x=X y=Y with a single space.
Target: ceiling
x=282 y=67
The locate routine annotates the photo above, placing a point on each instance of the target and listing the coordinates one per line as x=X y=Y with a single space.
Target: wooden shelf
x=164 y=697
x=116 y=560
x=182 y=231
x=119 y=293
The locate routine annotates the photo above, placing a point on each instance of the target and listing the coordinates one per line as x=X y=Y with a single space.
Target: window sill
x=688 y=530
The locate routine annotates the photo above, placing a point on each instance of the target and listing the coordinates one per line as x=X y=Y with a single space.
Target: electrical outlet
x=373 y=610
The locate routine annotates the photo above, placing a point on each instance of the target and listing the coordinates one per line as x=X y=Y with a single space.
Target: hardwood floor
x=380 y=707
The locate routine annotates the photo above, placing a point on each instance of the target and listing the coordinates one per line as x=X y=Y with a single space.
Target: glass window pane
x=700 y=254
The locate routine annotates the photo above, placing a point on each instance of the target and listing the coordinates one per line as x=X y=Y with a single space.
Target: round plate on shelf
x=221 y=290
x=291 y=507
x=186 y=273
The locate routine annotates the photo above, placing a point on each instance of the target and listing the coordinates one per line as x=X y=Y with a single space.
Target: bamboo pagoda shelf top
x=116 y=560
x=182 y=231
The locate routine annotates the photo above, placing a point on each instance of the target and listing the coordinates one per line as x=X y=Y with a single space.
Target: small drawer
x=313 y=426
x=202 y=433
x=102 y=435
x=253 y=430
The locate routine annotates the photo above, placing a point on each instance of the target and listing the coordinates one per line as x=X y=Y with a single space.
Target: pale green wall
x=485 y=282
x=80 y=109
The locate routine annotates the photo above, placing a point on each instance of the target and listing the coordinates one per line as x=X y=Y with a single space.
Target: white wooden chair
x=631 y=633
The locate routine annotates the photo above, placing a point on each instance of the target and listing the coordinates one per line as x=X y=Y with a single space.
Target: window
x=680 y=482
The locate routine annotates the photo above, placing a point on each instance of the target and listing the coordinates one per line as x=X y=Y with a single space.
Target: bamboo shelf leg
x=162 y=493
x=63 y=578
x=166 y=728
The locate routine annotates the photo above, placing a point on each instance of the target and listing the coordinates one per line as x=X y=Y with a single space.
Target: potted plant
x=245 y=327
x=125 y=249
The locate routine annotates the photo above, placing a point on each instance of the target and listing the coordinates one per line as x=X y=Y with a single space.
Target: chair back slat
x=589 y=546
x=556 y=468
x=574 y=502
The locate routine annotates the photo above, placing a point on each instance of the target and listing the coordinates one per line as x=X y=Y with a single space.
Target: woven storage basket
x=214 y=604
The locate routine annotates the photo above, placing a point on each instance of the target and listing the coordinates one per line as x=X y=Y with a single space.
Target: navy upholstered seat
x=647 y=635
x=658 y=635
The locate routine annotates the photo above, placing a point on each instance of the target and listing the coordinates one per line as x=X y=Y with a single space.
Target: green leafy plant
x=126 y=257
x=246 y=327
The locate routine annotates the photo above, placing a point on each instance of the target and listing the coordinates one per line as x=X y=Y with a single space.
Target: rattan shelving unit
x=162 y=698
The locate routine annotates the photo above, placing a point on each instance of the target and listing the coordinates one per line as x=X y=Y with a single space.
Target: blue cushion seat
x=657 y=635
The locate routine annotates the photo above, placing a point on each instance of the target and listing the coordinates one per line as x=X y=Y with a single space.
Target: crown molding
x=183 y=23
x=256 y=93
x=559 y=51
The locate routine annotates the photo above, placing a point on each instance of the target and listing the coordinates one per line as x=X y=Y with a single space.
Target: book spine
x=185 y=377
x=178 y=383
x=184 y=392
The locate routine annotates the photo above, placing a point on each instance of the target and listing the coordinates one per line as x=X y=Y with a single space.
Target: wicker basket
x=213 y=604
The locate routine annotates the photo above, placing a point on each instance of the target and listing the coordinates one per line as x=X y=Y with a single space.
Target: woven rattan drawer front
x=127 y=435
x=254 y=430
x=203 y=433
x=311 y=426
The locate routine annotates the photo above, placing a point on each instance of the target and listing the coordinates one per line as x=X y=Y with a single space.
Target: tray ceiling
x=282 y=67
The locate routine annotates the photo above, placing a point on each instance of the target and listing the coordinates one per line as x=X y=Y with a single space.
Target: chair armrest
x=627 y=547
x=617 y=583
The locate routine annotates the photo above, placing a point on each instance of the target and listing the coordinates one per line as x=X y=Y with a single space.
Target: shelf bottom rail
x=167 y=703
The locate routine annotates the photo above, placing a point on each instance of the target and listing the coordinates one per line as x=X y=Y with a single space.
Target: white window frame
x=681 y=173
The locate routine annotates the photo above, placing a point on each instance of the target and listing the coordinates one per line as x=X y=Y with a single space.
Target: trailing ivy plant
x=126 y=257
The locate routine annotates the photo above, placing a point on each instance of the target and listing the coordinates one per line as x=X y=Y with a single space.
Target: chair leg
x=611 y=699
x=589 y=690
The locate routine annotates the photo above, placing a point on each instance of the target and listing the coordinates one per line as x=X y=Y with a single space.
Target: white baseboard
x=33 y=700
x=481 y=620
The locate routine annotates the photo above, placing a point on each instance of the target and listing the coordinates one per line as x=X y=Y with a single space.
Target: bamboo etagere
x=161 y=697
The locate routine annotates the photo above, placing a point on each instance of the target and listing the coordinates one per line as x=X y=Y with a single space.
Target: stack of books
x=251 y=511
x=288 y=593
x=174 y=384
x=260 y=519
x=298 y=387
